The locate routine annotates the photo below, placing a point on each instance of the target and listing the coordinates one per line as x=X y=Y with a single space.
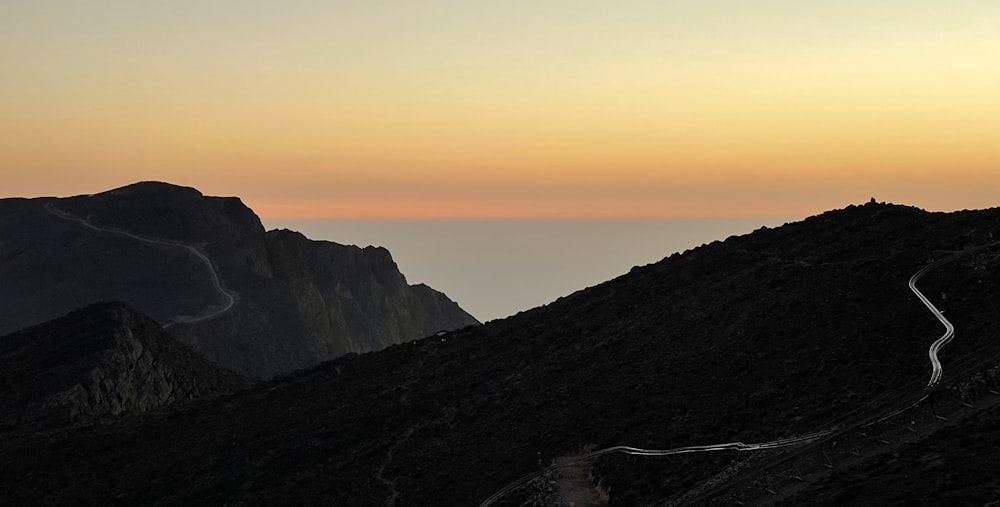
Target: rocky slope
x=106 y=359
x=956 y=466
x=294 y=302
x=754 y=338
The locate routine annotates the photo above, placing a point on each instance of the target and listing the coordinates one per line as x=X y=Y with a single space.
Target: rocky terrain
x=103 y=360
x=259 y=303
x=955 y=466
x=758 y=337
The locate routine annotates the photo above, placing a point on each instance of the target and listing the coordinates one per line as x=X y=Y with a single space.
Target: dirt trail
x=574 y=484
x=380 y=475
x=227 y=296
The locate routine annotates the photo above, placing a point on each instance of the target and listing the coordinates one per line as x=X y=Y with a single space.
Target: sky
x=540 y=108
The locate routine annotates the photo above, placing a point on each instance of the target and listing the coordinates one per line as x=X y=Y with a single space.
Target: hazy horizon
x=307 y=108
x=495 y=268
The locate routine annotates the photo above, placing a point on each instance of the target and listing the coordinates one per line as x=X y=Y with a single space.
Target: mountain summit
x=260 y=303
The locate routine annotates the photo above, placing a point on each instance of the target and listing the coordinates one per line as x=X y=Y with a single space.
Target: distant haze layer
x=494 y=268
x=515 y=109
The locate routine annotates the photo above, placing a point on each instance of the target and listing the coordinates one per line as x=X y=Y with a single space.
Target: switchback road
x=949 y=329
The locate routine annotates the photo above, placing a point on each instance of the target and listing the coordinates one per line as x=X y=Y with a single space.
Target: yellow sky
x=519 y=108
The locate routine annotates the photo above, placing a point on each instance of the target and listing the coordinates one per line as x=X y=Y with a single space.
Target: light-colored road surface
x=936 y=373
x=731 y=446
x=949 y=329
x=228 y=299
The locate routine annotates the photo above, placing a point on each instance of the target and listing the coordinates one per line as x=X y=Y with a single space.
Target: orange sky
x=472 y=109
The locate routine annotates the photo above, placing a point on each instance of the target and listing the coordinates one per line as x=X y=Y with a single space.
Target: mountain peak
x=151 y=187
x=167 y=211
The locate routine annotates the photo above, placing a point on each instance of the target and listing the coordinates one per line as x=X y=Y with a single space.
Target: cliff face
x=260 y=303
x=106 y=359
x=355 y=293
x=327 y=299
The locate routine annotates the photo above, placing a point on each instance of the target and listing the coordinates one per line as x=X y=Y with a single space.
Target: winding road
x=949 y=328
x=731 y=446
x=228 y=298
x=936 y=373
x=230 y=301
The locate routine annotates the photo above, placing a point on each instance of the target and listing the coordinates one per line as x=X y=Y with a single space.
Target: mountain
x=106 y=359
x=781 y=332
x=258 y=302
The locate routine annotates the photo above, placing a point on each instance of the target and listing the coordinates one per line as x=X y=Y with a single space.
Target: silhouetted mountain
x=260 y=303
x=162 y=210
x=106 y=359
x=767 y=335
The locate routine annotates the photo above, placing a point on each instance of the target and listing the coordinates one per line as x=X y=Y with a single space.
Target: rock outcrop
x=260 y=303
x=106 y=359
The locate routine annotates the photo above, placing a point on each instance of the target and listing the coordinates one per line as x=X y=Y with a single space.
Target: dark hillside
x=956 y=466
x=758 y=337
x=106 y=359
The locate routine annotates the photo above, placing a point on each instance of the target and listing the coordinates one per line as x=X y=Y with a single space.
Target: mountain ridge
x=753 y=338
x=242 y=296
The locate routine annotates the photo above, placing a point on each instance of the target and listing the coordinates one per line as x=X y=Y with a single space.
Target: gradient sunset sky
x=547 y=108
